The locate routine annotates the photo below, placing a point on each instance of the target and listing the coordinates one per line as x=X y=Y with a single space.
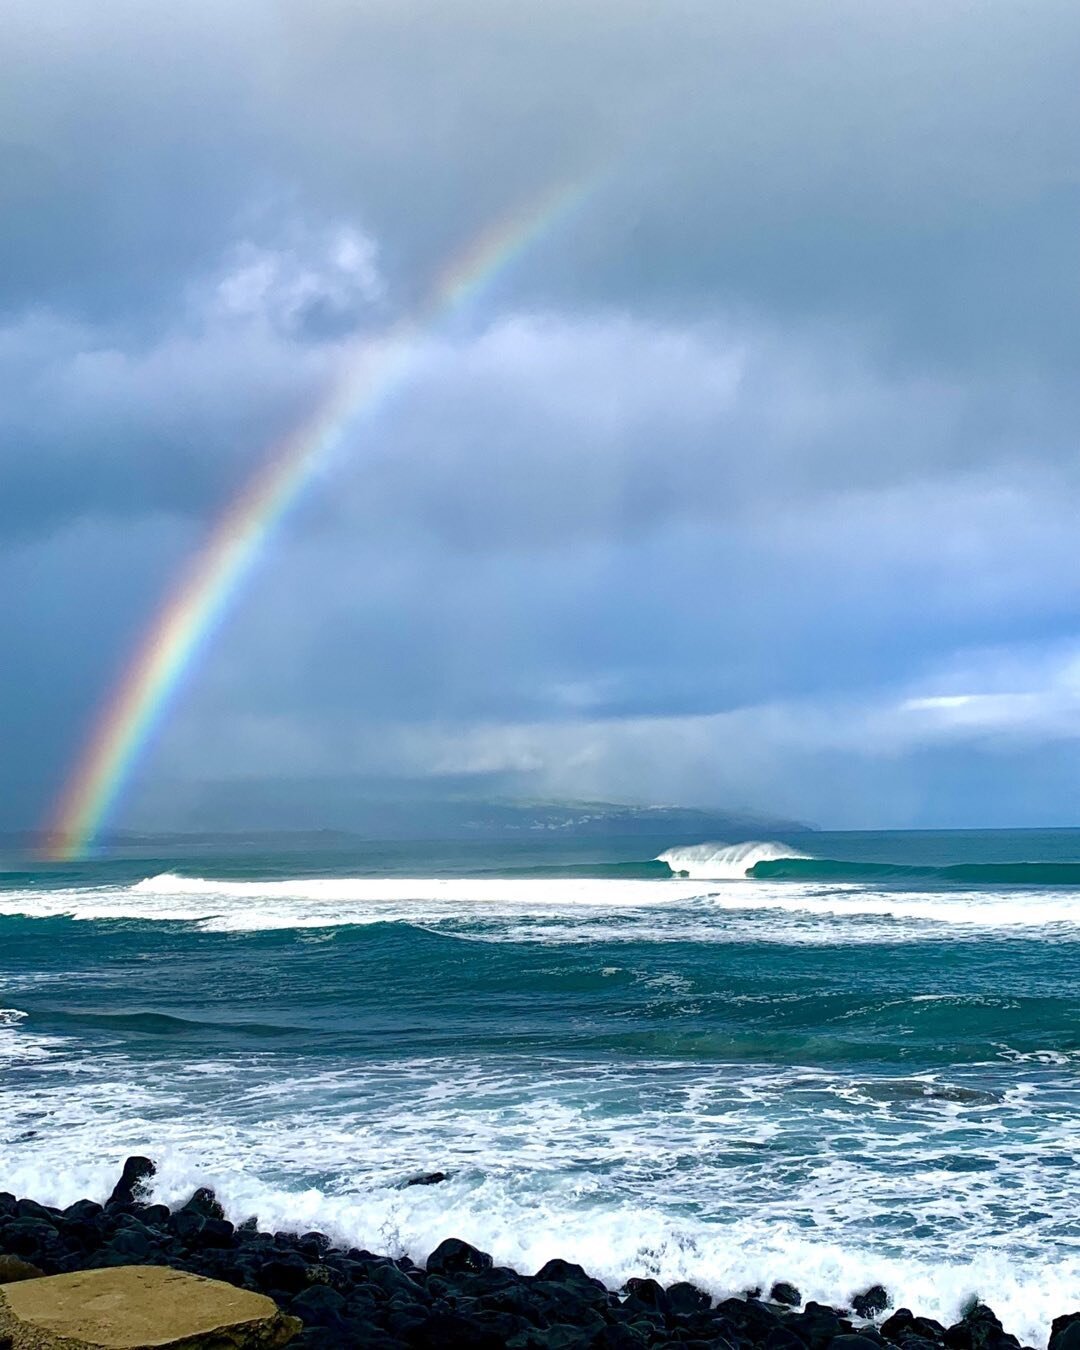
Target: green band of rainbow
x=183 y=626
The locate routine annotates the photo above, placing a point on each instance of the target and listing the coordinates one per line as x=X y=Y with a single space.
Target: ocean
x=834 y=1059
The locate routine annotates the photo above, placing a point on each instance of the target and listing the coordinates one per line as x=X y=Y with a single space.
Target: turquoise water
x=832 y=1058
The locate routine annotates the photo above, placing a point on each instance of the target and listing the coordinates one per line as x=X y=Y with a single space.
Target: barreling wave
x=727 y=862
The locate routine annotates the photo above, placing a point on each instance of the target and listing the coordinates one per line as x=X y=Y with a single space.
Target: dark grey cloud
x=768 y=446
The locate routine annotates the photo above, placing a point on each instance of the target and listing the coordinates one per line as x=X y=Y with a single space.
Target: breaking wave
x=758 y=861
x=727 y=862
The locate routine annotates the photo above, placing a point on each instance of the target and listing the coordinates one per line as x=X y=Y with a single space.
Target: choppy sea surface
x=834 y=1059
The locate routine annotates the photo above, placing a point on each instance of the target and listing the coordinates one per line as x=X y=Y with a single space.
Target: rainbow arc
x=180 y=631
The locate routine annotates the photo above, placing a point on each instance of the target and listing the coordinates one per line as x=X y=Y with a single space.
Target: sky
x=753 y=483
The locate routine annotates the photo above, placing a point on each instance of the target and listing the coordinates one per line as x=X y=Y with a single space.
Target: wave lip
x=727 y=862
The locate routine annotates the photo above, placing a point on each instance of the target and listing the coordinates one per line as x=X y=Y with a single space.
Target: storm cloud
x=753 y=482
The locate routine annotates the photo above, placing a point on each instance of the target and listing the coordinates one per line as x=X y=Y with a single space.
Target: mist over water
x=705 y=1061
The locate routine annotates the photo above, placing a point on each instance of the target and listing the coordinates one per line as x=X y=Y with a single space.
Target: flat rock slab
x=135 y=1308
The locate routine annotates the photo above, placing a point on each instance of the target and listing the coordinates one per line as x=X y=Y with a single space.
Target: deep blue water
x=832 y=1058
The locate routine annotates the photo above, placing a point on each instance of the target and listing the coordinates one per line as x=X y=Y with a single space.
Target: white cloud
x=323 y=274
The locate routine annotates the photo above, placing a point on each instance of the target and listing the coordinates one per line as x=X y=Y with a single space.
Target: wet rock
x=685 y=1297
x=751 y=1319
x=978 y=1329
x=29 y=1238
x=216 y=1233
x=396 y=1284
x=130 y=1246
x=204 y=1203
x=871 y=1301
x=819 y=1326
x=785 y=1293
x=313 y=1244
x=285 y=1271
x=449 y=1328
x=899 y=1324
x=783 y=1338
x=647 y=1294
x=83 y=1211
x=558 y=1271
x=1065 y=1332
x=618 y=1336
x=425 y=1179
x=855 y=1341
x=319 y=1305
x=30 y=1209
x=913 y=1341
x=132 y=1185
x=558 y=1337
x=186 y=1225
x=452 y=1255
x=928 y=1329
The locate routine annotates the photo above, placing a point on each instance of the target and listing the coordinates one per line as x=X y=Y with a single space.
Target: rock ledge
x=138 y=1307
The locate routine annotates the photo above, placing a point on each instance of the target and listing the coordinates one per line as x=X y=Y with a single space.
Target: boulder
x=871 y=1301
x=136 y=1307
x=853 y=1341
x=453 y=1256
x=204 y=1203
x=898 y=1325
x=783 y=1292
x=132 y=1184
x=684 y=1297
x=1065 y=1333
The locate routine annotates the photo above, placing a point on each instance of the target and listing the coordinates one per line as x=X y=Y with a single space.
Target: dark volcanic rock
x=132 y=1185
x=855 y=1341
x=425 y=1179
x=819 y=1325
x=647 y=1294
x=871 y=1301
x=205 y=1203
x=557 y=1271
x=186 y=1225
x=216 y=1233
x=978 y=1329
x=318 y=1304
x=899 y=1324
x=783 y=1338
x=86 y=1211
x=684 y=1297
x=30 y=1209
x=618 y=1336
x=1065 y=1332
x=453 y=1256
x=751 y=1319
x=352 y=1298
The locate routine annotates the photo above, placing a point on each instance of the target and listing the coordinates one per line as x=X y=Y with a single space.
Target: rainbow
x=183 y=627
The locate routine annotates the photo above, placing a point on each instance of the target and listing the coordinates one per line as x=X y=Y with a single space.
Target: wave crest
x=727 y=862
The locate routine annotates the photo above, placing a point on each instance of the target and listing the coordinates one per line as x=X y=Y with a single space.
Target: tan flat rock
x=136 y=1308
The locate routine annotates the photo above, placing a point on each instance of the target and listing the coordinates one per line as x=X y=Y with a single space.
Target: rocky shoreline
x=350 y=1297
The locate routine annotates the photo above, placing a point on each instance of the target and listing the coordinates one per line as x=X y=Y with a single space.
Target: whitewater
x=832 y=1059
